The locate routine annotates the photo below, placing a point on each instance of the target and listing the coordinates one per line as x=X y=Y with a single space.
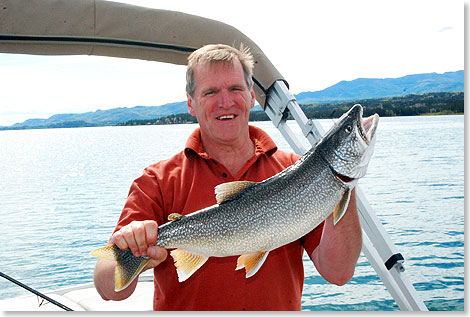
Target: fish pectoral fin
x=341 y=207
x=252 y=262
x=128 y=266
x=187 y=263
x=225 y=191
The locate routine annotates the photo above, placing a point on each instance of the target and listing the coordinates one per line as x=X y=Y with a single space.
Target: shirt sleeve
x=295 y=157
x=144 y=201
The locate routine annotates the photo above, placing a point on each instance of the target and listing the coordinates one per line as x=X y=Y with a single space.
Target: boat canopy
x=105 y=28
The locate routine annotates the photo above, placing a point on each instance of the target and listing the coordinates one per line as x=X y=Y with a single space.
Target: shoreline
x=177 y=123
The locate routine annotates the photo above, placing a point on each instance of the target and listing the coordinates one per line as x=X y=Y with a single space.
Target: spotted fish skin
x=262 y=216
x=252 y=219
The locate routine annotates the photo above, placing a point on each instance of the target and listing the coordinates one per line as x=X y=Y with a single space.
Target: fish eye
x=348 y=129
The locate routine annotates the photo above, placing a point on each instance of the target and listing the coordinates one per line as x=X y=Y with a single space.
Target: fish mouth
x=367 y=127
x=365 y=135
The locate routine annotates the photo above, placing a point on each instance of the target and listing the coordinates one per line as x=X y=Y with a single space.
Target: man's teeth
x=226 y=117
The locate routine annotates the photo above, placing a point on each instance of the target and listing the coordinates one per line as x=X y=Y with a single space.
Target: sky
x=314 y=44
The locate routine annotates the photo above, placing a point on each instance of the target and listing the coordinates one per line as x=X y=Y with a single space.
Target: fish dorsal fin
x=341 y=207
x=251 y=262
x=227 y=190
x=187 y=263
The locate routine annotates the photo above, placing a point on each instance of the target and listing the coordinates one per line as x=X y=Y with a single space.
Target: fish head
x=349 y=144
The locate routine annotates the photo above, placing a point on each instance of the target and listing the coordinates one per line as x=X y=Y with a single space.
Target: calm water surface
x=62 y=191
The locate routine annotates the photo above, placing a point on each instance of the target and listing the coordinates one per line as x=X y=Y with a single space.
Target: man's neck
x=232 y=156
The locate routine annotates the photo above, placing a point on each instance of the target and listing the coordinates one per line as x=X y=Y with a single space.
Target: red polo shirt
x=184 y=184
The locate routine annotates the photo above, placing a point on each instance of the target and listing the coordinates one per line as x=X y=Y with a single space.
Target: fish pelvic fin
x=187 y=263
x=128 y=266
x=252 y=262
x=228 y=190
x=341 y=207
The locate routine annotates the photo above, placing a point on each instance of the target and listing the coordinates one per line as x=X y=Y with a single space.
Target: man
x=224 y=148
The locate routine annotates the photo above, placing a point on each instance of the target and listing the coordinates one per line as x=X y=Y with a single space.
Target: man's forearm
x=340 y=247
x=104 y=281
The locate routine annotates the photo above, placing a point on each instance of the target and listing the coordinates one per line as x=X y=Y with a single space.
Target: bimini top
x=104 y=28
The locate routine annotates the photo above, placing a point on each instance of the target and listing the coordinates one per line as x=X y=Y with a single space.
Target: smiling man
x=222 y=101
x=224 y=148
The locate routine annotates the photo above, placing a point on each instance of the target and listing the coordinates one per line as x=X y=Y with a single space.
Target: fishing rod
x=11 y=279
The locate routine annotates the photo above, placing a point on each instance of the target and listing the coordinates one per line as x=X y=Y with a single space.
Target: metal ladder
x=377 y=245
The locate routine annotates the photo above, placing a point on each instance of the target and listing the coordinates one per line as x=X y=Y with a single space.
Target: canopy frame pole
x=377 y=245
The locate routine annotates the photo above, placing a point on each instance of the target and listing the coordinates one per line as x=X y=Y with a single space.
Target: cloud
x=446 y=28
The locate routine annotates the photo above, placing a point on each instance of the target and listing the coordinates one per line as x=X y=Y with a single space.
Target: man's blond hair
x=216 y=53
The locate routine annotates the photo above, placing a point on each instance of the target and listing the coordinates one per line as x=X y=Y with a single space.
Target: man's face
x=221 y=102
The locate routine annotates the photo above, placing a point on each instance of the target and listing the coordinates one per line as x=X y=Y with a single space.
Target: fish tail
x=128 y=266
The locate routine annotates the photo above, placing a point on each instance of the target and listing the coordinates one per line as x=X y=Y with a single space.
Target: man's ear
x=190 y=105
x=253 y=98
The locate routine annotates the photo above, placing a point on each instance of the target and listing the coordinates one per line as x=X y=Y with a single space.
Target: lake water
x=62 y=191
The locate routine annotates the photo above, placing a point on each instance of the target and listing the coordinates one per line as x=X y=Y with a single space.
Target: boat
x=84 y=297
x=105 y=28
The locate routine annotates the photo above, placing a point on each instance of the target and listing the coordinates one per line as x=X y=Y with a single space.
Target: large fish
x=250 y=219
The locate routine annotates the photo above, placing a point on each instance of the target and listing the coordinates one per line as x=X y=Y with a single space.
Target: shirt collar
x=262 y=141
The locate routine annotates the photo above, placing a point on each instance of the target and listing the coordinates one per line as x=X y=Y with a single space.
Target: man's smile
x=226 y=117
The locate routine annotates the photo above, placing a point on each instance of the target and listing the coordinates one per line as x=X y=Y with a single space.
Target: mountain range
x=361 y=88
x=105 y=117
x=369 y=88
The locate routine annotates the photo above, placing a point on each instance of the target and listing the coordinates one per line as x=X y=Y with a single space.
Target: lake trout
x=252 y=218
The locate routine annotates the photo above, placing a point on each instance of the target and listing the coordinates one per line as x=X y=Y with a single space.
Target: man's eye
x=208 y=93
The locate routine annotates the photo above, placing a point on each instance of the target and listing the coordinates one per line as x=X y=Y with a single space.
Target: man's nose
x=225 y=100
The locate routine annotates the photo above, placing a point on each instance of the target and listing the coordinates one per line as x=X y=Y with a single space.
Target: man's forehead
x=203 y=71
x=231 y=64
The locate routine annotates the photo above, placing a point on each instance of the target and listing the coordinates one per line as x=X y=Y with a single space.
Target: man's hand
x=141 y=238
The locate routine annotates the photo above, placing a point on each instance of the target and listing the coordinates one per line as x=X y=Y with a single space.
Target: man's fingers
x=157 y=255
x=151 y=229
x=140 y=238
x=137 y=236
x=124 y=239
x=118 y=239
x=128 y=234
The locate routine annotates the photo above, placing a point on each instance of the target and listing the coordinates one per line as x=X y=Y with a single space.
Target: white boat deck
x=85 y=298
